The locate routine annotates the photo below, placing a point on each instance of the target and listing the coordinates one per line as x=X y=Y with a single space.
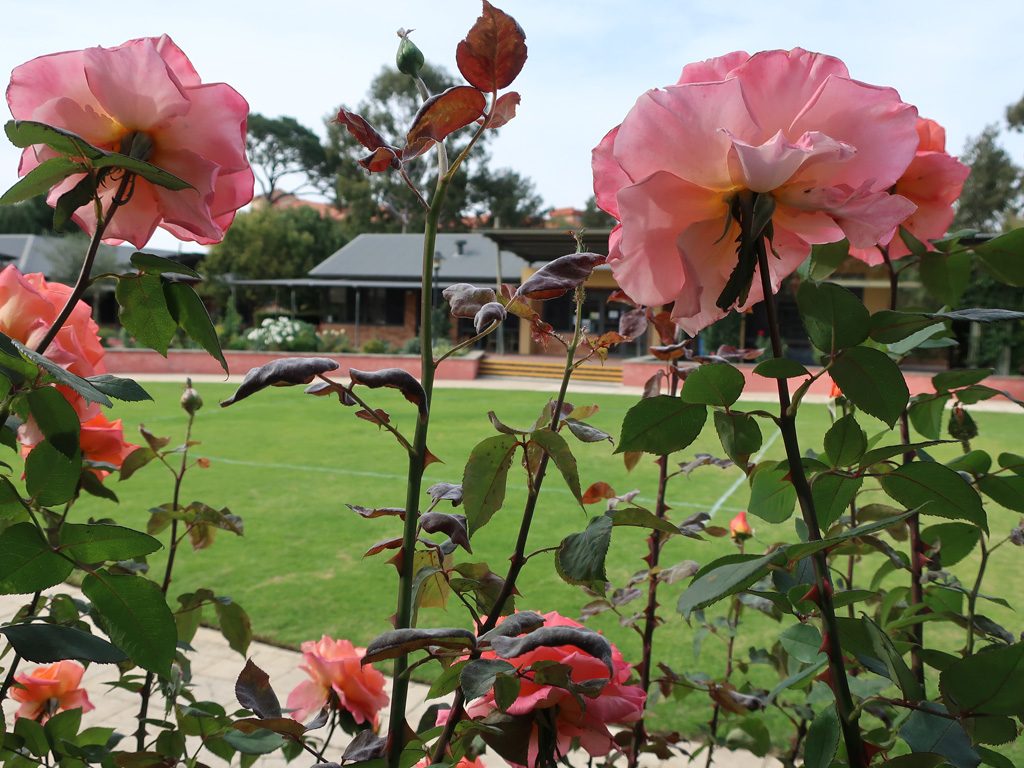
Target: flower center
x=137 y=145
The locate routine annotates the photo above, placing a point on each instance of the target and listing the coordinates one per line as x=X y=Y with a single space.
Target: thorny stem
x=519 y=558
x=9 y=680
x=914 y=521
x=732 y=622
x=830 y=630
x=654 y=546
x=172 y=550
x=972 y=599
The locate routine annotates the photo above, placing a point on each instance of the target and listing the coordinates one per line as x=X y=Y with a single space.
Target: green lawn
x=288 y=464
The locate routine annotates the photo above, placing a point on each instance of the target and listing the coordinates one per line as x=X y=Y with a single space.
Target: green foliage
x=993 y=189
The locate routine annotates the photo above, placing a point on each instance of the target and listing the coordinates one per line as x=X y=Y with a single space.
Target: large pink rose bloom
x=617 y=703
x=933 y=182
x=334 y=665
x=145 y=86
x=791 y=124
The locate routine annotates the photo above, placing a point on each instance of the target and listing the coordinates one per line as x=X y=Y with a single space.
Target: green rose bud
x=409 y=58
x=190 y=399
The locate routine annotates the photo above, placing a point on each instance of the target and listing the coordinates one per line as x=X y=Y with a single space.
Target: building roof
x=59 y=258
x=468 y=257
x=547 y=244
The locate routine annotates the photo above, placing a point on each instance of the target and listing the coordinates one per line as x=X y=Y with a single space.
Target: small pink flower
x=464 y=762
x=739 y=528
x=790 y=124
x=149 y=87
x=933 y=182
x=333 y=665
x=45 y=690
x=586 y=721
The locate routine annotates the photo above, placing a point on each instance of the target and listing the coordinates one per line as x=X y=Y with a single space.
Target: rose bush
x=146 y=99
x=46 y=690
x=790 y=124
x=577 y=718
x=334 y=668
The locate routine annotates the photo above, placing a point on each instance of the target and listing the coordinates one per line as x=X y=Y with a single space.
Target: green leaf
x=148 y=171
x=144 y=312
x=56 y=419
x=845 y=442
x=926 y=413
x=899 y=672
x=136 y=617
x=63 y=727
x=34 y=737
x=483 y=481
x=1007 y=491
x=190 y=314
x=780 y=368
x=772 y=495
x=795 y=552
x=641 y=518
x=832 y=494
x=234 y=624
x=822 y=738
x=927 y=732
x=661 y=425
x=41 y=179
x=872 y=382
x=447 y=681
x=945 y=276
x=477 y=677
x=739 y=434
x=554 y=445
x=83 y=193
x=955 y=540
x=580 y=557
x=826 y=259
x=960 y=377
x=988 y=683
x=125 y=390
x=27 y=562
x=26 y=133
x=77 y=383
x=720 y=581
x=718 y=384
x=47 y=643
x=935 y=490
x=993 y=758
x=889 y=327
x=833 y=316
x=802 y=642
x=1004 y=257
x=51 y=477
x=97 y=543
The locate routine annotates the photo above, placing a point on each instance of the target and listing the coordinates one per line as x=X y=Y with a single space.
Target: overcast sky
x=959 y=63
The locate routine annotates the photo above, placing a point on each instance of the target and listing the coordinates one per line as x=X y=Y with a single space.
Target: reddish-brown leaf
x=442 y=114
x=494 y=51
x=631 y=458
x=380 y=160
x=662 y=322
x=369 y=513
x=465 y=300
x=394 y=378
x=561 y=275
x=622 y=298
x=670 y=351
x=598 y=492
x=504 y=109
x=379 y=416
x=633 y=323
x=361 y=130
x=380 y=546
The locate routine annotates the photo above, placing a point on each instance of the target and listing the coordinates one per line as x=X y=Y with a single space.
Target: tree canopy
x=287 y=158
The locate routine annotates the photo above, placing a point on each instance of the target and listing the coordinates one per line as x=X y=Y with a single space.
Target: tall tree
x=1015 y=115
x=594 y=218
x=270 y=243
x=287 y=157
x=382 y=202
x=31 y=217
x=993 y=190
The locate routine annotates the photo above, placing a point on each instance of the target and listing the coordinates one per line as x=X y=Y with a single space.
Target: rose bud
x=739 y=528
x=190 y=399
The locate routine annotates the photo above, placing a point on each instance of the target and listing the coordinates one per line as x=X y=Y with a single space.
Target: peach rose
x=617 y=703
x=790 y=124
x=144 y=88
x=933 y=182
x=739 y=528
x=45 y=690
x=333 y=665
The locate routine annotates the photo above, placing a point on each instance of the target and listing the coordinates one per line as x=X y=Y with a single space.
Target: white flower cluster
x=276 y=331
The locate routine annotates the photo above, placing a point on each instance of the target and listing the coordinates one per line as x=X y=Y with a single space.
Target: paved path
x=215 y=667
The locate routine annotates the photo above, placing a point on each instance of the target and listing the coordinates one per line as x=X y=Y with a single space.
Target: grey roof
x=392 y=257
x=60 y=257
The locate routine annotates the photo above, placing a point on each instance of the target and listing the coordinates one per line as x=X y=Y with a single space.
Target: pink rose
x=146 y=86
x=791 y=124
x=933 y=182
x=617 y=703
x=45 y=690
x=464 y=762
x=333 y=665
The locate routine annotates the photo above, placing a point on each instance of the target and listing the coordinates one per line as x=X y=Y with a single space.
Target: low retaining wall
x=194 y=361
x=636 y=371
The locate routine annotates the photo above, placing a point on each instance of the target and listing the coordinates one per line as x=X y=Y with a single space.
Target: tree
x=270 y=243
x=286 y=157
x=1015 y=116
x=31 y=217
x=594 y=217
x=993 y=190
x=382 y=202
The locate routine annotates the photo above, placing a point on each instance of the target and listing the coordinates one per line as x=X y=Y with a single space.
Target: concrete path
x=215 y=667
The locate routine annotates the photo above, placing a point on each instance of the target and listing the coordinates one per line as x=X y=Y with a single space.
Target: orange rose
x=45 y=690
x=739 y=528
x=334 y=665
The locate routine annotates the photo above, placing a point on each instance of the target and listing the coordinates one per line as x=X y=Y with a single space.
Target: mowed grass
x=288 y=464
